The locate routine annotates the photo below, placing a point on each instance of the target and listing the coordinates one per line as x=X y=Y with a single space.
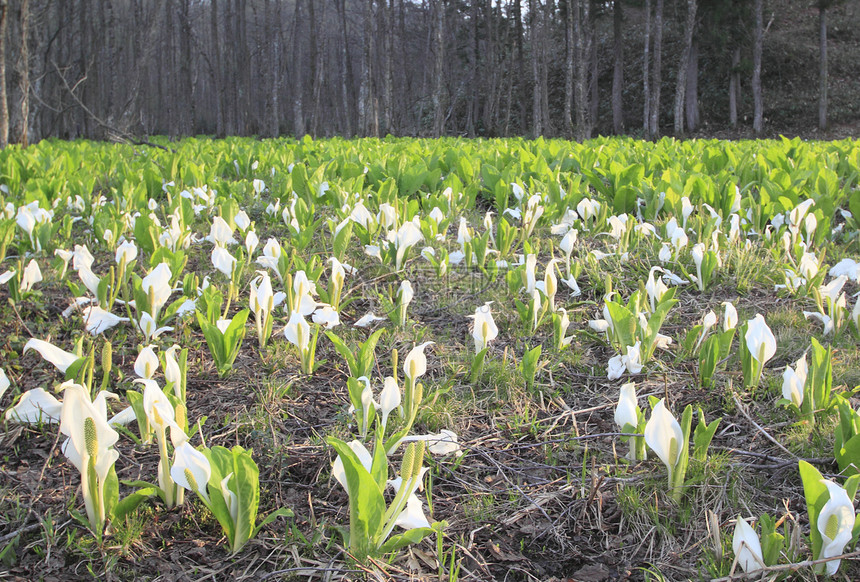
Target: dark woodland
x=119 y=69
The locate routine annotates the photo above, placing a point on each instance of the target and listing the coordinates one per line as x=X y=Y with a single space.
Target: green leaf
x=129 y=503
x=624 y=325
x=683 y=454
x=478 y=365
x=702 y=437
x=409 y=537
x=816 y=496
x=708 y=358
x=246 y=477
x=367 y=353
x=110 y=492
x=366 y=504
x=73 y=370
x=340 y=242
x=379 y=467
x=221 y=463
x=772 y=542
x=280 y=512
x=345 y=352
x=848 y=456
x=135 y=399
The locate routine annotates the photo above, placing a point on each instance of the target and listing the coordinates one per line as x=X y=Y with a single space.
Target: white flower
x=747 y=547
x=298 y=332
x=35 y=406
x=326 y=316
x=793 y=381
x=808 y=266
x=730 y=316
x=665 y=253
x=835 y=523
x=655 y=288
x=709 y=321
x=303 y=291
x=223 y=260
x=663 y=434
x=367 y=319
x=413 y=516
x=686 y=209
x=191 y=469
x=484 y=328
x=251 y=242
x=32 y=275
x=61 y=359
x=415 y=364
x=825 y=320
x=220 y=233
x=147 y=326
x=127 y=251
x=389 y=398
x=4 y=382
x=405 y=293
x=847 y=267
x=156 y=286
x=627 y=410
x=242 y=220
x=98 y=320
x=439 y=444
x=760 y=340
x=146 y=363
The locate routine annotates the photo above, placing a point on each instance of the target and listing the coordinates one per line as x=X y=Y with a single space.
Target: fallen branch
x=784 y=567
x=759 y=428
x=21 y=530
x=120 y=134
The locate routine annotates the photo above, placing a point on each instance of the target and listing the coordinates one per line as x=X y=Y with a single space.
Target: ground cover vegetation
x=436 y=359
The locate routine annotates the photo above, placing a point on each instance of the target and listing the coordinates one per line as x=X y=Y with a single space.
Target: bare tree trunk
x=646 y=73
x=594 y=102
x=544 y=66
x=568 y=67
x=110 y=57
x=472 y=110
x=298 y=74
x=243 y=69
x=166 y=76
x=403 y=89
x=583 y=110
x=618 y=69
x=4 y=104
x=683 y=66
x=657 y=72
x=491 y=75
x=217 y=85
x=517 y=11
x=346 y=76
x=387 y=75
x=438 y=69
x=758 y=40
x=693 y=88
x=273 y=20
x=25 y=73
x=822 y=83
x=189 y=110
x=735 y=87
x=535 y=13
x=364 y=93
x=318 y=67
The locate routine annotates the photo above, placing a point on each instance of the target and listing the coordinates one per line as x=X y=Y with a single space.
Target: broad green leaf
x=366 y=504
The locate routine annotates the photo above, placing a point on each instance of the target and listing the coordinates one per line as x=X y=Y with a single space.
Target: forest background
x=122 y=69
